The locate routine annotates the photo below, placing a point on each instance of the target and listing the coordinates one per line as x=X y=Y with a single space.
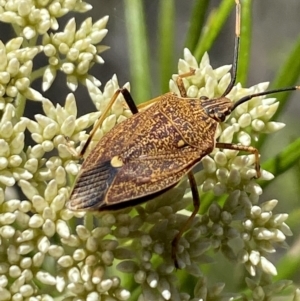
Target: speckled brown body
x=155 y=148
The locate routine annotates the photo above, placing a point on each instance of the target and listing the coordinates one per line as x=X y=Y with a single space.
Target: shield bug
x=167 y=139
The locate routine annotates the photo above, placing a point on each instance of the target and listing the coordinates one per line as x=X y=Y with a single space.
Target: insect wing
x=91 y=186
x=147 y=177
x=104 y=187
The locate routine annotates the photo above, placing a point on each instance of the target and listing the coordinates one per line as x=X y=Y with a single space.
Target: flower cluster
x=15 y=70
x=74 y=52
x=48 y=252
x=37 y=17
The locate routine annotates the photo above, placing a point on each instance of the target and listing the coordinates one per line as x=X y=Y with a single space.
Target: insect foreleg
x=179 y=82
x=186 y=225
x=239 y=147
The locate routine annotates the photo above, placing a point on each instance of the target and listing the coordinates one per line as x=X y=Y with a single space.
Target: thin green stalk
x=20 y=99
x=138 y=50
x=213 y=27
x=166 y=41
x=18 y=33
x=38 y=73
x=20 y=106
x=89 y=221
x=245 y=44
x=196 y=24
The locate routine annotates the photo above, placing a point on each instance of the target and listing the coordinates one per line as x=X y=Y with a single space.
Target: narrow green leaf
x=287 y=76
x=213 y=27
x=166 y=42
x=288 y=266
x=245 y=42
x=196 y=23
x=138 y=50
x=283 y=161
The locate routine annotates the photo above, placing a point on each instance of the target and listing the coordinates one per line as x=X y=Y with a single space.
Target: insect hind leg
x=188 y=222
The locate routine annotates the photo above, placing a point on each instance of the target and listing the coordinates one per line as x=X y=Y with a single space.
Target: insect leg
x=98 y=124
x=179 y=81
x=144 y=105
x=239 y=147
x=130 y=102
x=186 y=225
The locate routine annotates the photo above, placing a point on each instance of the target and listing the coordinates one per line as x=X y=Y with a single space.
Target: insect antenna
x=235 y=66
x=236 y=48
x=248 y=97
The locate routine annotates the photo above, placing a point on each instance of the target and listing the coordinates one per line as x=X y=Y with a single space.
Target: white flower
x=74 y=52
x=15 y=71
x=37 y=17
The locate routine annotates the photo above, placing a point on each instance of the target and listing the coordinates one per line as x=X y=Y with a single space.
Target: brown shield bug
x=153 y=150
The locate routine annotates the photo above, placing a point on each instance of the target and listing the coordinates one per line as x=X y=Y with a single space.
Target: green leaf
x=287 y=76
x=283 y=161
x=288 y=266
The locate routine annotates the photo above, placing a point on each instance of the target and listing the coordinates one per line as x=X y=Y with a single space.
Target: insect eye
x=203 y=98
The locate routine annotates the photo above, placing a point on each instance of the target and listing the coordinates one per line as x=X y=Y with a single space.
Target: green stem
x=89 y=221
x=18 y=33
x=166 y=42
x=196 y=24
x=245 y=44
x=37 y=73
x=20 y=106
x=213 y=27
x=138 y=50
